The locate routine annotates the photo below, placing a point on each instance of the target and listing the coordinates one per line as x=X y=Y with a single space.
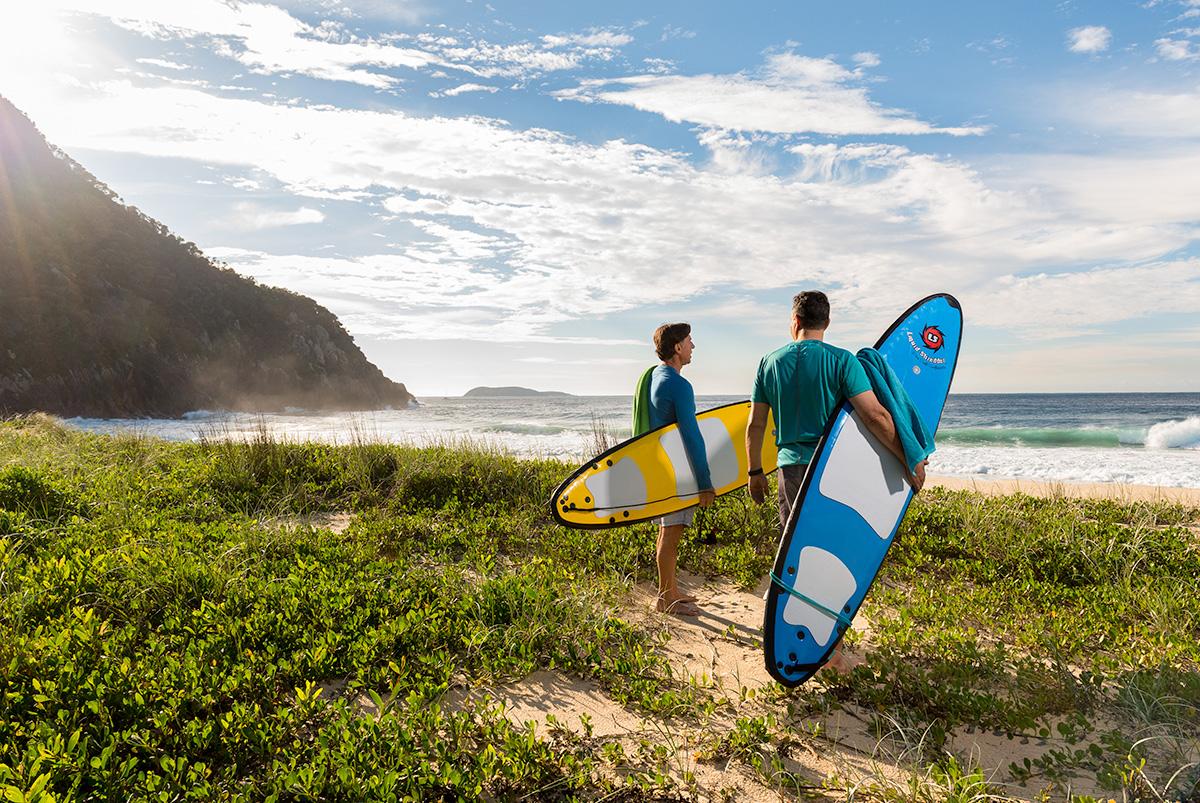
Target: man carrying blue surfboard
x=665 y=397
x=803 y=383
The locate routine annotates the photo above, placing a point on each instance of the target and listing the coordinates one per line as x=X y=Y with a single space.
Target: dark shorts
x=790 y=479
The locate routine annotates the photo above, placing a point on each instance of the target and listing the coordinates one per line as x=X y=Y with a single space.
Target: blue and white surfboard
x=853 y=498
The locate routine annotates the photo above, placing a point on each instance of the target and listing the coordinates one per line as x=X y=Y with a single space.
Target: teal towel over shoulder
x=914 y=436
x=641 y=403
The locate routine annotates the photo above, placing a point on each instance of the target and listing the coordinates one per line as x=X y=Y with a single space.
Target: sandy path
x=721 y=648
x=337 y=522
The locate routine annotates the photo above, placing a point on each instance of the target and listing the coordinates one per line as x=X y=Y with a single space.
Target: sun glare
x=38 y=52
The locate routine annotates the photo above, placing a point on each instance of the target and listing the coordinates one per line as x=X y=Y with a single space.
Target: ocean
x=1126 y=438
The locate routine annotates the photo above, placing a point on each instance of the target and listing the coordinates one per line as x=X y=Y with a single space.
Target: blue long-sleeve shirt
x=672 y=401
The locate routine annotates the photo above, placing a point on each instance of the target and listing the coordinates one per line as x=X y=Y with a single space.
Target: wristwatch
x=755 y=472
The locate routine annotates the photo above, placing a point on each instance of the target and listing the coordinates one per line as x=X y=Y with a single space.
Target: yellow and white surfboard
x=650 y=475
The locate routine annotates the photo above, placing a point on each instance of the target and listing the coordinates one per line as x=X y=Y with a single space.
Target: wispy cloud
x=268 y=39
x=999 y=49
x=1151 y=114
x=670 y=32
x=1089 y=39
x=264 y=38
x=168 y=65
x=1083 y=302
x=593 y=38
x=253 y=217
x=522 y=231
x=396 y=11
x=463 y=89
x=1177 y=49
x=791 y=94
x=518 y=234
x=523 y=60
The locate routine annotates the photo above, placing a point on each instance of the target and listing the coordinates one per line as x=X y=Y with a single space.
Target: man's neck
x=676 y=363
x=809 y=334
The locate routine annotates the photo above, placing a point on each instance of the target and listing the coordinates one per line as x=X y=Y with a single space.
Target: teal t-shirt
x=804 y=382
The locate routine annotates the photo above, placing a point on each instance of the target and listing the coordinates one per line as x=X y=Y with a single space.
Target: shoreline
x=1061 y=488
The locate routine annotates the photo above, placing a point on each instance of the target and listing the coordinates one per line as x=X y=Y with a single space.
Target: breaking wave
x=1183 y=434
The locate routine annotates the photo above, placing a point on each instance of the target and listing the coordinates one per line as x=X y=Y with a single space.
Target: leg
x=670 y=599
x=790 y=478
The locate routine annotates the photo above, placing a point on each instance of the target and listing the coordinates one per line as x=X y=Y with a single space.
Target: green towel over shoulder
x=914 y=435
x=641 y=403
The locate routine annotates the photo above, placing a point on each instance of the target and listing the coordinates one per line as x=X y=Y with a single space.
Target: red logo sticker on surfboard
x=928 y=344
x=933 y=338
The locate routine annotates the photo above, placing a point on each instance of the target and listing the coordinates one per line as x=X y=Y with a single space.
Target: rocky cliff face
x=104 y=312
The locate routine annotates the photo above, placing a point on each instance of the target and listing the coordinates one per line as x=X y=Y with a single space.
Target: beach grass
x=177 y=622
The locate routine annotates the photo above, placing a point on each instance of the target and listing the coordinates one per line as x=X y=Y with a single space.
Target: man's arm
x=693 y=441
x=879 y=422
x=755 y=432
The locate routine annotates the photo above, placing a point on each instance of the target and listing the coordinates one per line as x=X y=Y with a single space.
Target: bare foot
x=841 y=663
x=677 y=606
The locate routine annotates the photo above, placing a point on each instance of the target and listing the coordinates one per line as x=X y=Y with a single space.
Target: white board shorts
x=683 y=517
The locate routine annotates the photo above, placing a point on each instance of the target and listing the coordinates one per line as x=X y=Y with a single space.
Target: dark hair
x=668 y=336
x=812 y=308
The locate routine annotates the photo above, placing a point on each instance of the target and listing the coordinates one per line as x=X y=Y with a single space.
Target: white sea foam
x=1169 y=468
x=1183 y=434
x=563 y=428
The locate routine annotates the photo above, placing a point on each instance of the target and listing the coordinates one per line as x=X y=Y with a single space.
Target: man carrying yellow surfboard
x=665 y=397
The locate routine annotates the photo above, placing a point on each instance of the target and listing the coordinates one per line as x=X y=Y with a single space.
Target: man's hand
x=758 y=488
x=707 y=497
x=918 y=477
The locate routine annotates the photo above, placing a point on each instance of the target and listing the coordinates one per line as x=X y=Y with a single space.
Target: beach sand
x=1080 y=490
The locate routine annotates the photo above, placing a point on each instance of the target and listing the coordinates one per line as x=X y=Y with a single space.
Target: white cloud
x=462 y=89
x=169 y=65
x=658 y=66
x=675 y=32
x=867 y=59
x=1177 y=49
x=522 y=231
x=403 y=11
x=519 y=60
x=1085 y=302
x=267 y=39
x=791 y=94
x=594 y=38
x=264 y=38
x=1151 y=115
x=1089 y=39
x=252 y=217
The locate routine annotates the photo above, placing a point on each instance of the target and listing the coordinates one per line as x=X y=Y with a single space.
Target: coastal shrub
x=191 y=638
x=24 y=490
x=442 y=477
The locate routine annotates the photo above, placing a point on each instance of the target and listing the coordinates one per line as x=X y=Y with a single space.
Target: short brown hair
x=668 y=336
x=812 y=308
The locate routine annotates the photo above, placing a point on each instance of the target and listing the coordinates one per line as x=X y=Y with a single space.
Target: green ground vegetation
x=163 y=637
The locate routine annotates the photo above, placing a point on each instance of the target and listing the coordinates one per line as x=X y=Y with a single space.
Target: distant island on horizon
x=510 y=392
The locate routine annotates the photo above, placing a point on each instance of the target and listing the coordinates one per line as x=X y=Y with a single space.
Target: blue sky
x=493 y=193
